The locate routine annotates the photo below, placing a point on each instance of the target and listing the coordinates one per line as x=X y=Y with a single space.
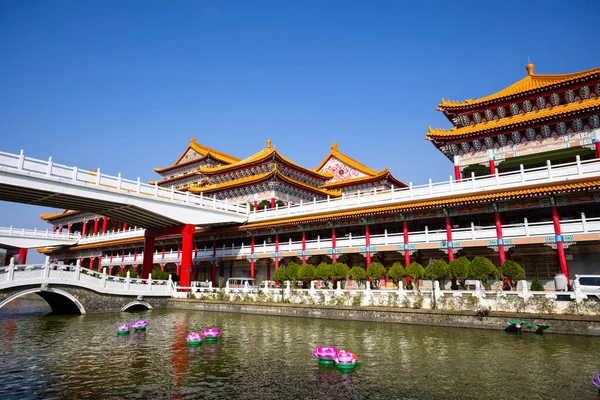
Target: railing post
x=314 y=200
x=74 y=177
x=497 y=177
x=155 y=189
x=78 y=269
x=426 y=234
x=98 y=177
x=472 y=230
x=549 y=164
x=187 y=197
x=103 y=280
x=526 y=225
x=385 y=237
x=49 y=167
x=150 y=281
x=119 y=181
x=578 y=161
x=172 y=192
x=430 y=187
x=11 y=270
x=584 y=222
x=138 y=187
x=21 y=160
x=522 y=170
x=451 y=180
x=349 y=239
x=46 y=268
x=10 y=230
x=215 y=202
x=410 y=190
x=128 y=281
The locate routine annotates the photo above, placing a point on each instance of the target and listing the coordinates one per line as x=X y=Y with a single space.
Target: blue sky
x=124 y=85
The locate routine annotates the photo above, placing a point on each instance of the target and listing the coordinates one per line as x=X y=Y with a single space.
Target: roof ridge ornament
x=268 y=143
x=529 y=67
x=334 y=146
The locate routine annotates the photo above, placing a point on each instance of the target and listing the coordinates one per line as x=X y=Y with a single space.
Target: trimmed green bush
x=291 y=272
x=358 y=274
x=323 y=271
x=512 y=271
x=437 y=270
x=307 y=272
x=484 y=270
x=374 y=272
x=396 y=273
x=415 y=271
x=279 y=275
x=339 y=271
x=460 y=269
x=536 y=285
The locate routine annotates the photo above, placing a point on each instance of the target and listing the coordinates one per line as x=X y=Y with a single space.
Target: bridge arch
x=137 y=305
x=59 y=300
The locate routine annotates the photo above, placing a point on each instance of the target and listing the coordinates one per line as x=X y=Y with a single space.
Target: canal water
x=269 y=357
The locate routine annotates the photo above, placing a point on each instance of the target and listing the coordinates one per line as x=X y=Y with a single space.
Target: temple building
x=511 y=152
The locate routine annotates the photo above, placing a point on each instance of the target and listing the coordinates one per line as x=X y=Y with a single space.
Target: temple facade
x=513 y=145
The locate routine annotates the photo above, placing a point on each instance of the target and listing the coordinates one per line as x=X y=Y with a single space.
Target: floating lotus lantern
x=211 y=335
x=123 y=329
x=542 y=326
x=326 y=355
x=194 y=339
x=596 y=382
x=346 y=360
x=140 y=325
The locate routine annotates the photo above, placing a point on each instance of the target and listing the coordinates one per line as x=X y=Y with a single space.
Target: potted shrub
x=396 y=273
x=374 y=272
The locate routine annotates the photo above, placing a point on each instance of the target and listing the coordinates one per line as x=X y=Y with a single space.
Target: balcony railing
x=38 y=234
x=550 y=173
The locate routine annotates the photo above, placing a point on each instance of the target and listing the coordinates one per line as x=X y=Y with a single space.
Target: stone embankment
x=567 y=324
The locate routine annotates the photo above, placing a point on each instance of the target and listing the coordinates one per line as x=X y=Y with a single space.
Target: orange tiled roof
x=383 y=174
x=51 y=216
x=514 y=121
x=347 y=160
x=260 y=177
x=204 y=152
x=532 y=82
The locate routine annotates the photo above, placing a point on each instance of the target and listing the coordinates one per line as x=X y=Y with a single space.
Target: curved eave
x=509 y=123
x=529 y=85
x=384 y=174
x=191 y=162
x=347 y=160
x=50 y=217
x=175 y=178
x=532 y=191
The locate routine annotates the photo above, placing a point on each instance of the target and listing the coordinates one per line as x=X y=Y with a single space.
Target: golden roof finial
x=529 y=67
x=334 y=146
x=268 y=143
x=193 y=140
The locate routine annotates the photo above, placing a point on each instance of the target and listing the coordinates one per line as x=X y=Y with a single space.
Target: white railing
x=72 y=175
x=562 y=172
x=474 y=232
x=103 y=237
x=34 y=274
x=38 y=234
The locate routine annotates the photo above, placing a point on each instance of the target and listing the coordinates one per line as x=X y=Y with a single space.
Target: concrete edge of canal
x=566 y=324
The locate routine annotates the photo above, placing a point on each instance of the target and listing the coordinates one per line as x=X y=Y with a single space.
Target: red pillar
x=115 y=226
x=303 y=247
x=272 y=202
x=213 y=273
x=598 y=149
x=406 y=251
x=269 y=269
x=562 y=259
x=457 y=175
x=95 y=226
x=69 y=228
x=499 y=236
x=187 y=243
x=333 y=245
x=100 y=263
x=84 y=229
x=124 y=226
x=449 y=239
x=368 y=243
x=23 y=256
x=255 y=206
x=60 y=229
x=252 y=258
x=492 y=167
x=91 y=263
x=104 y=222
x=277 y=251
x=148 y=254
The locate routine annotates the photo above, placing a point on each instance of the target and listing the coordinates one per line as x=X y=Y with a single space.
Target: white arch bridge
x=77 y=290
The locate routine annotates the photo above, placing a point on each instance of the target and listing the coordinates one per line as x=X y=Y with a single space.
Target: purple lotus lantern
x=326 y=355
x=194 y=339
x=346 y=360
x=123 y=329
x=211 y=335
x=140 y=325
x=596 y=382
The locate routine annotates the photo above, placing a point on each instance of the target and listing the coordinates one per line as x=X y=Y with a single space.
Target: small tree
x=484 y=270
x=375 y=271
x=339 y=271
x=291 y=272
x=415 y=271
x=323 y=271
x=512 y=271
x=279 y=275
x=460 y=269
x=537 y=286
x=396 y=273
x=358 y=274
x=307 y=272
x=438 y=269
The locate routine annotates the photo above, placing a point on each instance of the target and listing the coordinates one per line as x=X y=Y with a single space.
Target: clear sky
x=124 y=85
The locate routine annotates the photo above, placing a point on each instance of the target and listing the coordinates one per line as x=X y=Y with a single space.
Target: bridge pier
x=187 y=231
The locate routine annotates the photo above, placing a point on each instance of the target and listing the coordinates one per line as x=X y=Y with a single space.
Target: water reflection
x=271 y=358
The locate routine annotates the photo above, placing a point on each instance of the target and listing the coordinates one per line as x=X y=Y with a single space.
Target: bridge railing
x=16 y=275
x=34 y=233
x=67 y=174
x=549 y=173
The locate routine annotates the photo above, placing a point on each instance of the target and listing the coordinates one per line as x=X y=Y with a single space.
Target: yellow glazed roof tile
x=380 y=175
x=530 y=83
x=513 y=121
x=204 y=152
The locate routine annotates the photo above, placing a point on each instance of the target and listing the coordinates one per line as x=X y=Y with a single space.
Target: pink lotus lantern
x=140 y=325
x=194 y=339
x=123 y=329
x=211 y=335
x=326 y=355
x=346 y=360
